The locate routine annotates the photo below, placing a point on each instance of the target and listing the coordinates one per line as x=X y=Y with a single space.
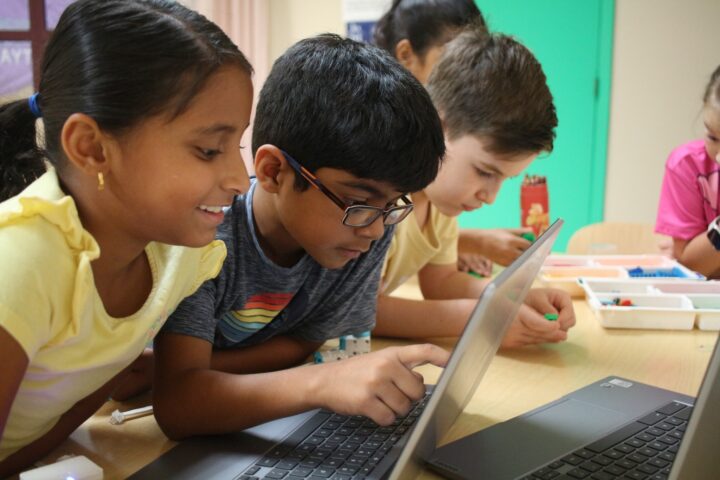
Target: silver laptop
x=320 y=444
x=613 y=428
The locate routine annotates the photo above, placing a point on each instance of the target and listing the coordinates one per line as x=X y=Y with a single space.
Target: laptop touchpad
x=529 y=441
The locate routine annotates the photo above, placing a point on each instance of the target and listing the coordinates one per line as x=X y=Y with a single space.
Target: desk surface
x=516 y=382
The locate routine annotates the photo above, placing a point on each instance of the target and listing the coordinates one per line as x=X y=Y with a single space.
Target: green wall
x=573 y=41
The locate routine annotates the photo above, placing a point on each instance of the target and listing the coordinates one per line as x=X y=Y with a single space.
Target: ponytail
x=21 y=161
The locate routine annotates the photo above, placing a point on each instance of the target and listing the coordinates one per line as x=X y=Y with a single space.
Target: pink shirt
x=690 y=196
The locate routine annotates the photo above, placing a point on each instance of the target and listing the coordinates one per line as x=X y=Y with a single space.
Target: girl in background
x=690 y=197
x=143 y=104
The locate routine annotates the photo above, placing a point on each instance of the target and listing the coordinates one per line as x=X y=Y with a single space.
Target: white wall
x=664 y=53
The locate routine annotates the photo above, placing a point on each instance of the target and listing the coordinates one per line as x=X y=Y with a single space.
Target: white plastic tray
x=656 y=303
x=563 y=271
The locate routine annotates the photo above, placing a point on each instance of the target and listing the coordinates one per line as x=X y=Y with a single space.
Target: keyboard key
x=584 y=454
x=616 y=437
x=657 y=445
x=590 y=466
x=614 y=469
x=665 y=426
x=624 y=448
x=578 y=473
x=667 y=456
x=614 y=454
x=301 y=471
x=635 y=475
x=286 y=464
x=251 y=471
x=267 y=462
x=626 y=464
x=545 y=473
x=573 y=460
x=276 y=474
x=324 y=472
x=674 y=421
x=668 y=439
x=649 y=469
x=655 y=431
x=635 y=443
x=684 y=414
x=648 y=452
x=602 y=476
x=671 y=408
x=652 y=418
x=644 y=437
x=635 y=457
x=602 y=460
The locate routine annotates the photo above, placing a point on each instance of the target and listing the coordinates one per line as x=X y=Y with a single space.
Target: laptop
x=321 y=444
x=613 y=428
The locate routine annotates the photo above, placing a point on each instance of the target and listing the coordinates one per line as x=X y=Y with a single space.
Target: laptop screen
x=475 y=349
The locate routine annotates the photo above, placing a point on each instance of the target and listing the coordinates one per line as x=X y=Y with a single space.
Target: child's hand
x=501 y=246
x=530 y=327
x=379 y=385
x=474 y=262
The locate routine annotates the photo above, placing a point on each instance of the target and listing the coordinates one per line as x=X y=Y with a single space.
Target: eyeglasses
x=355 y=215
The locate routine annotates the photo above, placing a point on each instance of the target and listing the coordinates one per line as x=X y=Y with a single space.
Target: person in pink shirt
x=690 y=197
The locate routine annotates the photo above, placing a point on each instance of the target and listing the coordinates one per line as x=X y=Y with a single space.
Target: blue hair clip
x=34 y=107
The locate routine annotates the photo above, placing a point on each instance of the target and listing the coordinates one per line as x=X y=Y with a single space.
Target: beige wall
x=664 y=53
x=293 y=20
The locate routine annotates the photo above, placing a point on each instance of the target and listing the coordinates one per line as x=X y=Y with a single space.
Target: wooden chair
x=608 y=238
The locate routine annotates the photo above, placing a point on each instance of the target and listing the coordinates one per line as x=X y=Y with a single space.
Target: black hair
x=338 y=103
x=424 y=23
x=119 y=62
x=492 y=86
x=712 y=90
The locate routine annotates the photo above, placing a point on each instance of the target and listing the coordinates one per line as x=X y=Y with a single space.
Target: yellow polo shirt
x=412 y=248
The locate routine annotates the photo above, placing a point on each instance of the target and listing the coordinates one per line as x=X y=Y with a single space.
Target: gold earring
x=101 y=182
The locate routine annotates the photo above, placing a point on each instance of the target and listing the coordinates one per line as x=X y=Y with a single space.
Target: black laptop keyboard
x=642 y=450
x=332 y=446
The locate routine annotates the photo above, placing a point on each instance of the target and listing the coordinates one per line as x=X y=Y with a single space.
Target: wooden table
x=516 y=382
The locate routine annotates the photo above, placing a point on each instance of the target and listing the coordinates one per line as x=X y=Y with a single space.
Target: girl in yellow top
x=143 y=105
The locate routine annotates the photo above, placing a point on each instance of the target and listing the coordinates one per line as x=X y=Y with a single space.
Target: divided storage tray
x=657 y=303
x=563 y=271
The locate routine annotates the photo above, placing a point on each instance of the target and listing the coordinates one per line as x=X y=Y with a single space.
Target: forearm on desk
x=67 y=423
x=275 y=354
x=405 y=318
x=203 y=401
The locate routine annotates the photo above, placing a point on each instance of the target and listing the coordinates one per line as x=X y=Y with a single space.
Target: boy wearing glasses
x=342 y=133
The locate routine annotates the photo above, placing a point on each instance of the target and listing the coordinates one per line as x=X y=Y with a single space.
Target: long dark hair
x=425 y=23
x=118 y=61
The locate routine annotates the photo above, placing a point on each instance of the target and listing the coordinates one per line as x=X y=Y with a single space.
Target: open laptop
x=320 y=444
x=613 y=428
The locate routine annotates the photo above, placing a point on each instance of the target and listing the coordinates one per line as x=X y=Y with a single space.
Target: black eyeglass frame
x=348 y=209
